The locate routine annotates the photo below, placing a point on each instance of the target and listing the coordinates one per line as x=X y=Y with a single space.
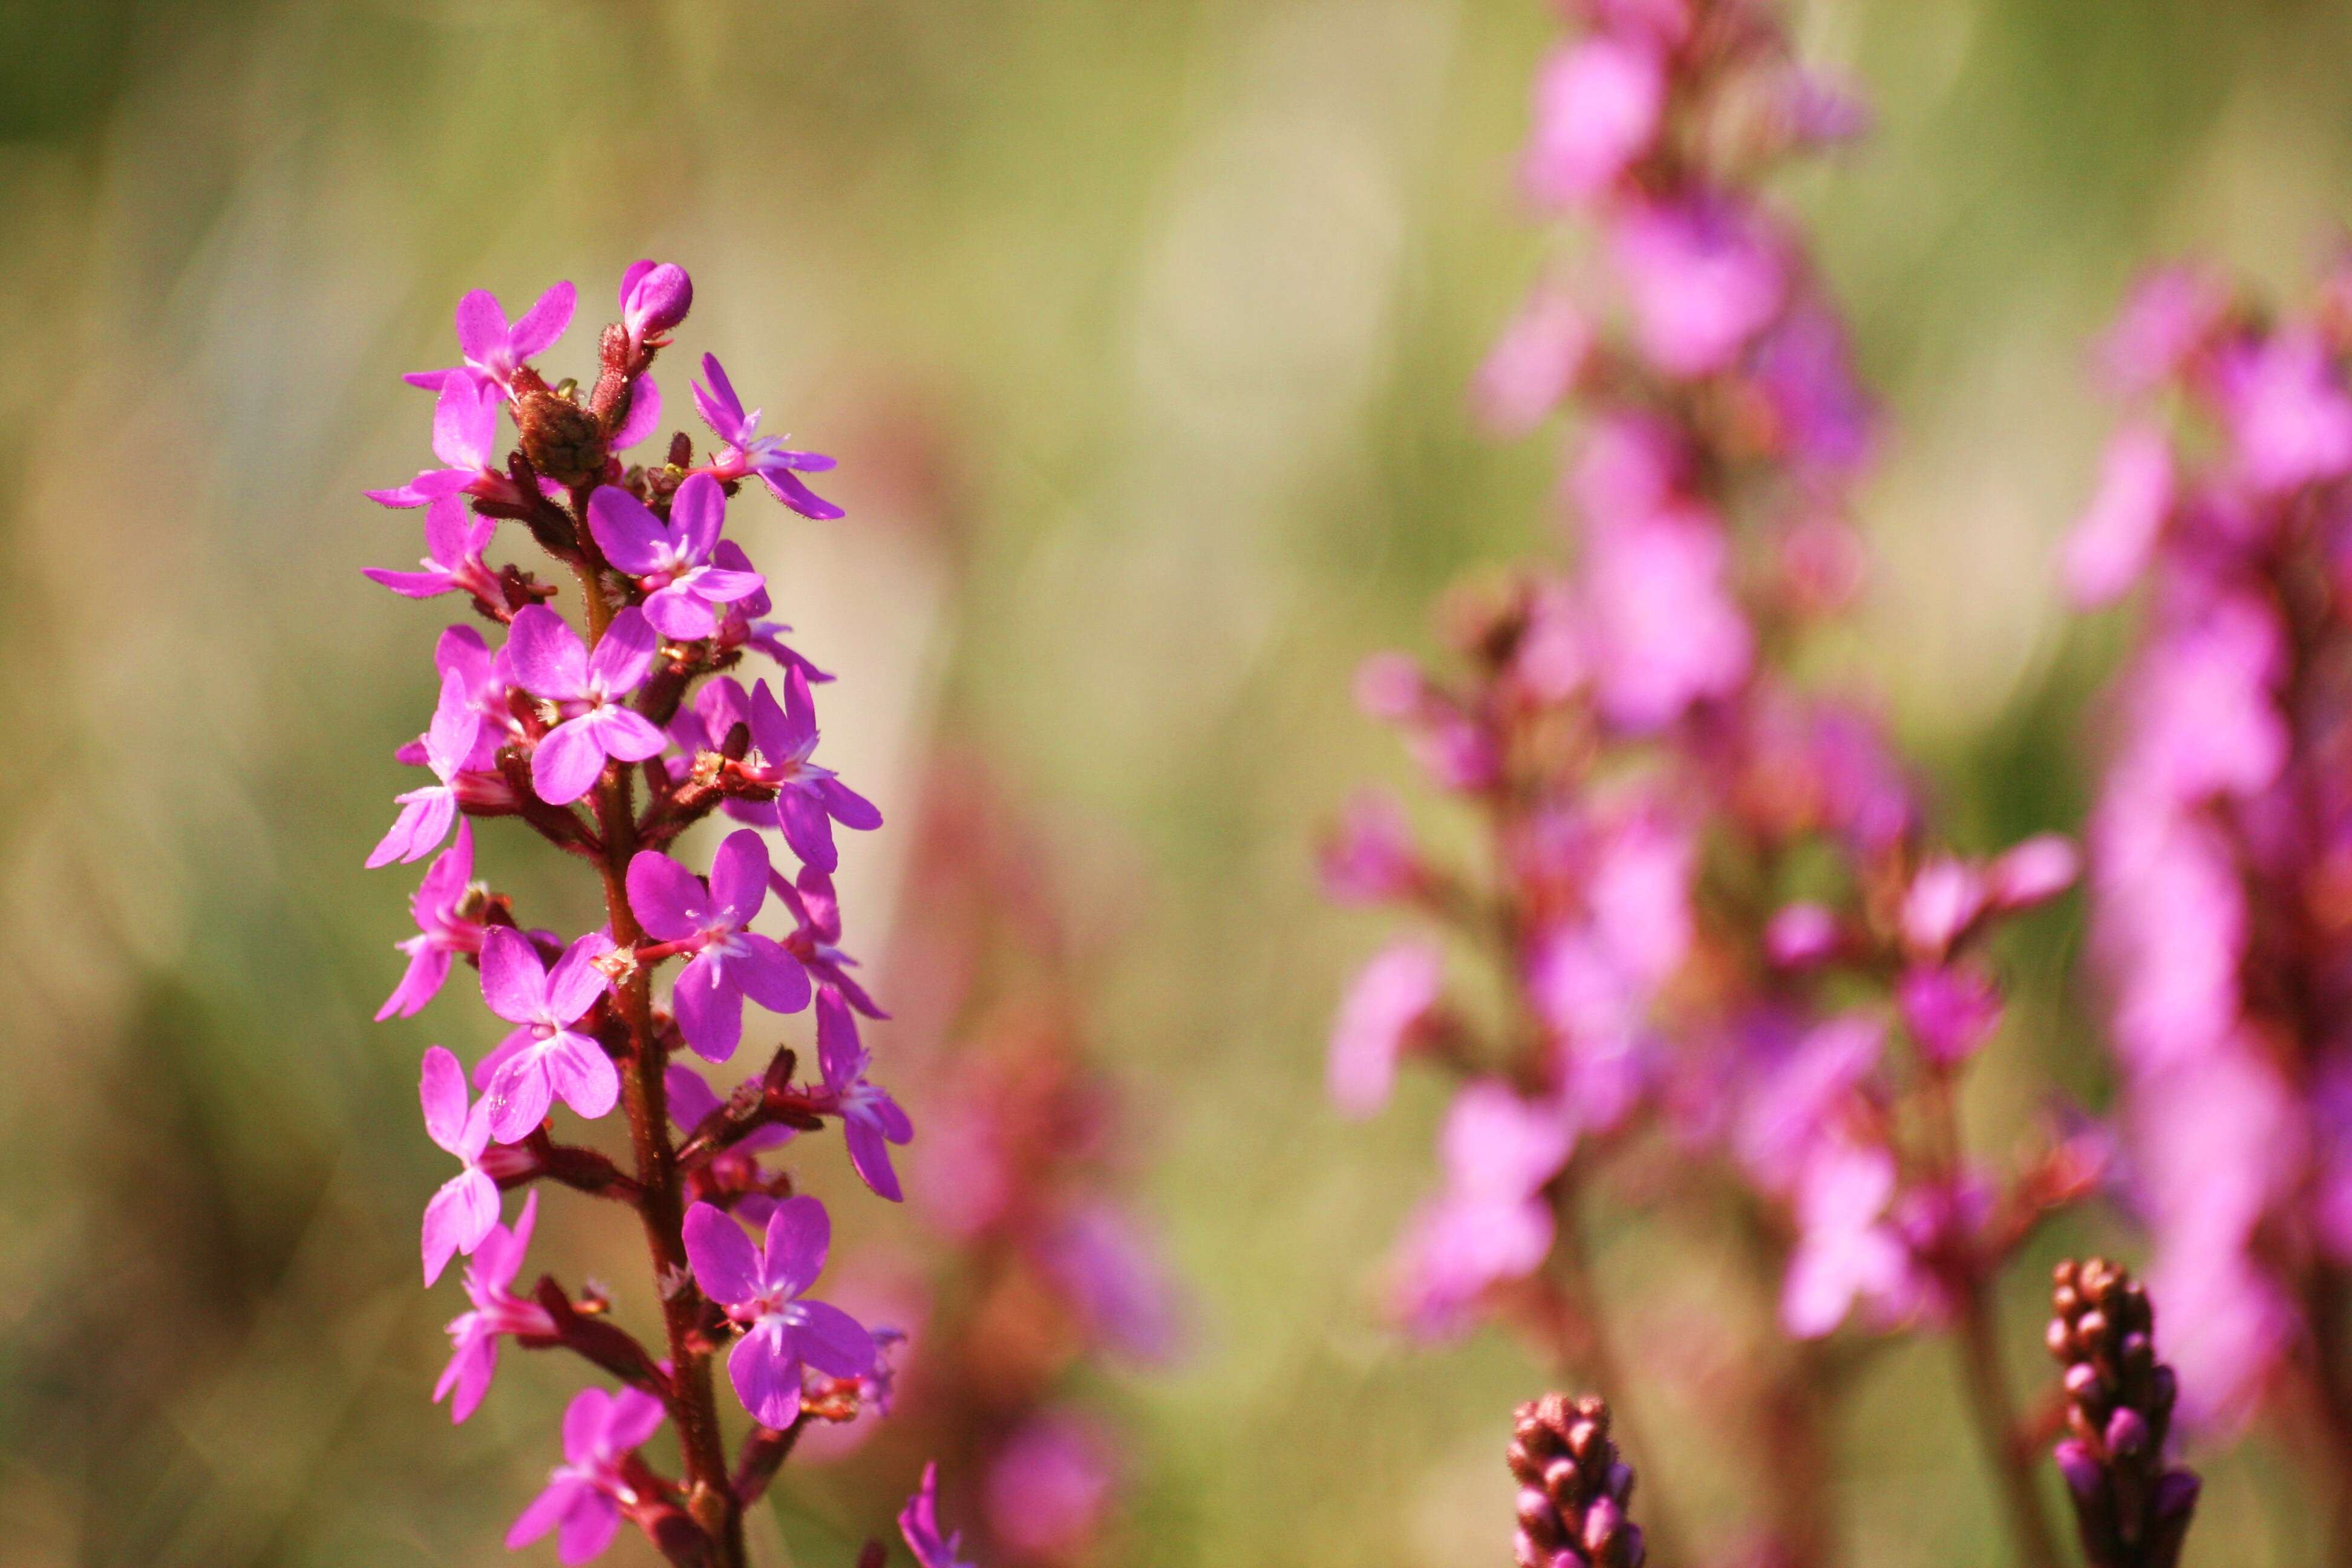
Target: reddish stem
x=710 y=1496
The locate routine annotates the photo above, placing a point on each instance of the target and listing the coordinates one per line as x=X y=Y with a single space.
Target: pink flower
x=730 y=961
x=816 y=941
x=497 y=1310
x=747 y=452
x=443 y=931
x=1597 y=104
x=544 y=1058
x=1667 y=631
x=550 y=662
x=1704 y=276
x=1385 y=1004
x=870 y=1119
x=1491 y=1224
x=453 y=541
x=466 y=439
x=2288 y=411
x=918 y=1521
x=493 y=350
x=809 y=799
x=1846 y=1252
x=760 y=1289
x=465 y=1210
x=1951 y=1009
x=672 y=560
x=586 y=1493
x=427 y=814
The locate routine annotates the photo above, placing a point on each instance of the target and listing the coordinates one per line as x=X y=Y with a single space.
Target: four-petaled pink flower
x=672 y=560
x=729 y=962
x=817 y=935
x=474 y=1333
x=545 y=1058
x=760 y=1288
x=809 y=799
x=466 y=439
x=442 y=931
x=918 y=1521
x=870 y=1119
x=425 y=813
x=748 y=452
x=586 y=1493
x=465 y=1210
x=550 y=662
x=494 y=351
x=453 y=541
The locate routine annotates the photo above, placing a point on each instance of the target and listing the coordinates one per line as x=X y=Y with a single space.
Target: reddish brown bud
x=560 y=437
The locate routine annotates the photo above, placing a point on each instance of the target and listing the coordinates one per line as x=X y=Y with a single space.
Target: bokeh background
x=1140 y=327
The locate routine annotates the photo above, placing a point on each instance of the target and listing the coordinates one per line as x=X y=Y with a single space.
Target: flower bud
x=654 y=298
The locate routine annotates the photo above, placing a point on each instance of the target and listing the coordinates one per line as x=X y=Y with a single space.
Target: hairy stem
x=709 y=1488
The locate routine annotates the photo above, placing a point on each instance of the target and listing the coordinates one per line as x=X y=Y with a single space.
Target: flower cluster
x=1710 y=907
x=611 y=735
x=2221 y=840
x=2131 y=1509
x=1574 y=1491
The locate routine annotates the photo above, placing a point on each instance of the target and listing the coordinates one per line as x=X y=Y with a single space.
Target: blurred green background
x=1140 y=327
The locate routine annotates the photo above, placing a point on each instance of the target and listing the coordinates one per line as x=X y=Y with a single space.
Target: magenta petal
x=848 y=807
x=787 y=487
x=870 y=1156
x=627 y=734
x=624 y=652
x=840 y=1056
x=500 y=1054
x=644 y=417
x=546 y=655
x=767 y=1374
x=543 y=323
x=691 y=1100
x=762 y=970
x=576 y=983
x=463 y=1211
x=698 y=513
x=709 y=1010
x=680 y=614
x=628 y=532
x=726 y=1265
x=565 y=764
x=545 y=1511
x=428 y=967
x=441 y=1089
x=465 y=427
x=411 y=584
x=722 y=586
x=739 y=878
x=808 y=828
x=831 y=1341
x=582 y=1076
x=669 y=900
x=800 y=1234
x=518 y=1096
x=481 y=325
x=587 y=1529
x=514 y=981
x=634 y=1416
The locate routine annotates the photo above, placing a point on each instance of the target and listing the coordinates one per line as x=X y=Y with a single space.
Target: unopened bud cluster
x=2132 y=1511
x=1574 y=1490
